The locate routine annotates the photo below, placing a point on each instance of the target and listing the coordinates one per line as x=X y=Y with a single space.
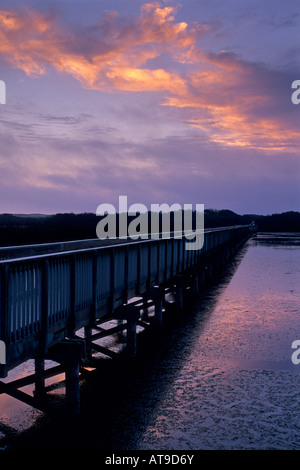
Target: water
x=221 y=378
x=239 y=389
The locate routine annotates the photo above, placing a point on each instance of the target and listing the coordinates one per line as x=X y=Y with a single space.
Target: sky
x=169 y=102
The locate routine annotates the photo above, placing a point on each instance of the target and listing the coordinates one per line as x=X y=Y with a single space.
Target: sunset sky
x=165 y=102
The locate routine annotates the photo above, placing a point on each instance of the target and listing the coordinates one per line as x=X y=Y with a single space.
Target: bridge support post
x=158 y=306
x=179 y=292
x=73 y=385
x=145 y=308
x=132 y=316
x=39 y=365
x=87 y=335
x=69 y=353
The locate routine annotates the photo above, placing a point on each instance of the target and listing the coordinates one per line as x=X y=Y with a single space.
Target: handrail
x=103 y=243
x=46 y=297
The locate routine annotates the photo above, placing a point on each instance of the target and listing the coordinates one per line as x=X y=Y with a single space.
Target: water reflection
x=239 y=388
x=221 y=378
x=277 y=239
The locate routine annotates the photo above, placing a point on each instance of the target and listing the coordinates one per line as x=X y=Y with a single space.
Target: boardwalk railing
x=47 y=296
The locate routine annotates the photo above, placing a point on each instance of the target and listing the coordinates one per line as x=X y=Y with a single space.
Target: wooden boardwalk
x=49 y=292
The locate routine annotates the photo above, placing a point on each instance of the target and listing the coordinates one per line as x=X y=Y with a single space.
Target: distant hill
x=284 y=222
x=19 y=229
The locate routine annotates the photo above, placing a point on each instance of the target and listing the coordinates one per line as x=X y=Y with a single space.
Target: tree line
x=33 y=229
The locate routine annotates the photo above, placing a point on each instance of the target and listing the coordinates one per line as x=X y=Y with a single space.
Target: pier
x=51 y=292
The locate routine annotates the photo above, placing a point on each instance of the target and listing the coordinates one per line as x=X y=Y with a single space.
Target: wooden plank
x=107 y=332
x=22 y=396
x=101 y=349
x=29 y=379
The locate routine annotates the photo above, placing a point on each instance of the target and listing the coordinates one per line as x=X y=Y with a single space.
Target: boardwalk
x=49 y=292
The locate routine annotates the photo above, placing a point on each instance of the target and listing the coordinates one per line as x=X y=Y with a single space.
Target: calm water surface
x=239 y=388
x=224 y=379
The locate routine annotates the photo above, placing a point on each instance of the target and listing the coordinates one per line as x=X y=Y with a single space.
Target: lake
x=222 y=377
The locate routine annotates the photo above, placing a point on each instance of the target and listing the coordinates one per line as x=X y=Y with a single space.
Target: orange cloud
x=231 y=102
x=226 y=96
x=31 y=41
x=131 y=79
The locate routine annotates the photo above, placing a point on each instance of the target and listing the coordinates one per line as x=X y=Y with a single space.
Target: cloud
x=110 y=54
x=231 y=102
x=240 y=104
x=81 y=174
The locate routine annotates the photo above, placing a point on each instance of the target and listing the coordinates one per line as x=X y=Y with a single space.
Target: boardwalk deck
x=48 y=292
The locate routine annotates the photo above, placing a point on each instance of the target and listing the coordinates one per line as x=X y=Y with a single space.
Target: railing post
x=183 y=255
x=172 y=258
x=126 y=268
x=112 y=281
x=178 y=269
x=4 y=334
x=71 y=322
x=139 y=269
x=44 y=307
x=166 y=260
x=94 y=308
x=149 y=246
x=157 y=280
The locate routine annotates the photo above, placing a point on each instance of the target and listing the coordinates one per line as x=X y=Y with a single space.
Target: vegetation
x=36 y=228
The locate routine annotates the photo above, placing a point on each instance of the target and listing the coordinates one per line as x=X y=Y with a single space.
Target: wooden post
x=71 y=326
x=87 y=336
x=179 y=292
x=126 y=267
x=94 y=308
x=138 y=283
x=158 y=304
x=69 y=353
x=111 y=307
x=72 y=385
x=145 y=308
x=73 y=351
x=132 y=316
x=44 y=306
x=39 y=364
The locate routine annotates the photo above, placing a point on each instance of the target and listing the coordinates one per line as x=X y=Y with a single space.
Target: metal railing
x=47 y=297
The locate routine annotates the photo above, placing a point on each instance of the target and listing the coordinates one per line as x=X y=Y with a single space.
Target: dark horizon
x=210 y=209
x=16 y=231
